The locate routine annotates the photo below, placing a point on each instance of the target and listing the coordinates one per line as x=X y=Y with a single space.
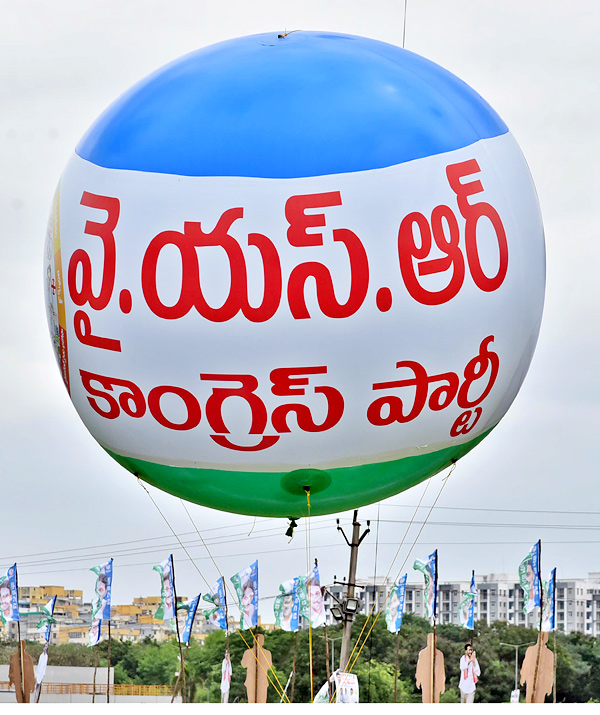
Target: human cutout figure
x=14 y=675
x=257 y=662
x=423 y=674
x=545 y=675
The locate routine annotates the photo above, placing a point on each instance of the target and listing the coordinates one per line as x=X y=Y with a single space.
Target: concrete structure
x=132 y=622
x=64 y=684
x=499 y=598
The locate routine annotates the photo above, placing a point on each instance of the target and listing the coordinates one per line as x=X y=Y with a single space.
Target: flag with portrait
x=467 y=606
x=549 y=609
x=246 y=588
x=290 y=603
x=166 y=609
x=314 y=599
x=103 y=589
x=395 y=605
x=529 y=578
x=216 y=615
x=9 y=596
x=191 y=607
x=429 y=569
x=45 y=623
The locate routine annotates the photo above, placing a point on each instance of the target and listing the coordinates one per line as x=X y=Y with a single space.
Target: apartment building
x=499 y=598
x=132 y=622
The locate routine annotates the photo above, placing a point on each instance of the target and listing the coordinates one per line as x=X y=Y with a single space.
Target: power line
x=94 y=552
x=508 y=511
x=437 y=543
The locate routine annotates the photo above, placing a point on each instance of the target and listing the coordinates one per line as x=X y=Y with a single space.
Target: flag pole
x=294 y=667
x=435 y=582
x=22 y=684
x=108 y=671
x=473 y=604
x=225 y=696
x=396 y=666
x=554 y=635
x=327 y=662
x=226 y=614
x=539 y=651
x=109 y=645
x=19 y=635
x=181 y=656
x=95 y=671
x=256 y=664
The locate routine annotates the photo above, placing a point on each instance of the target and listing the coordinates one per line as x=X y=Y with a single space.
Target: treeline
x=578 y=670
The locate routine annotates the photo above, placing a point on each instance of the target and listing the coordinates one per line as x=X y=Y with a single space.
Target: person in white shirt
x=469 y=673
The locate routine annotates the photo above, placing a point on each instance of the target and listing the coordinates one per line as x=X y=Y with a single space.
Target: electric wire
x=428 y=482
x=444 y=482
x=225 y=539
x=207 y=583
x=258 y=644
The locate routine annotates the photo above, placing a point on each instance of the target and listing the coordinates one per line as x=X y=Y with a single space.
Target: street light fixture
x=516 y=647
x=336 y=612
x=351 y=605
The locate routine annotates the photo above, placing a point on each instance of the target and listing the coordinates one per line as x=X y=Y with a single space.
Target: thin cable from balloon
x=445 y=479
x=377 y=598
x=280 y=689
x=310 y=644
x=444 y=482
x=404 y=25
x=388 y=573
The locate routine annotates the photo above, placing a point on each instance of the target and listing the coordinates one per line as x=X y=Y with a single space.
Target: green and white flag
x=246 y=587
x=529 y=577
x=101 y=601
x=166 y=610
x=465 y=608
x=291 y=602
x=314 y=595
x=217 y=614
x=549 y=611
x=395 y=605
x=9 y=596
x=429 y=570
x=47 y=619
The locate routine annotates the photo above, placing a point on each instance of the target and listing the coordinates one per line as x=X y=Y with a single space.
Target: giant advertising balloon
x=287 y=262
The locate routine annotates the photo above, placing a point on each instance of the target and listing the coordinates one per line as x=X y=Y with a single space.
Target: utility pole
x=350 y=603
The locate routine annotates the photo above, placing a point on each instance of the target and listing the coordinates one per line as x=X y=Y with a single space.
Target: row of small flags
x=299 y=596
x=537 y=593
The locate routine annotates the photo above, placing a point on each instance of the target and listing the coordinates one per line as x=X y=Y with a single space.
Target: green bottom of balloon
x=283 y=493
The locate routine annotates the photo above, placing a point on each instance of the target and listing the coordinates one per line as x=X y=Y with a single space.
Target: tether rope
x=309 y=572
x=278 y=687
x=375 y=598
x=444 y=482
x=280 y=691
x=351 y=662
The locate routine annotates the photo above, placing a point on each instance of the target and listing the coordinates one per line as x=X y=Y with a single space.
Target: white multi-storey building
x=499 y=598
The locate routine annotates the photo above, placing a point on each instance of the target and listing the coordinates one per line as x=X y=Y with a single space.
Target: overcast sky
x=537 y=63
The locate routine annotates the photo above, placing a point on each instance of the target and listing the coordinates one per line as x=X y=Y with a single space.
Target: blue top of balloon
x=305 y=104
